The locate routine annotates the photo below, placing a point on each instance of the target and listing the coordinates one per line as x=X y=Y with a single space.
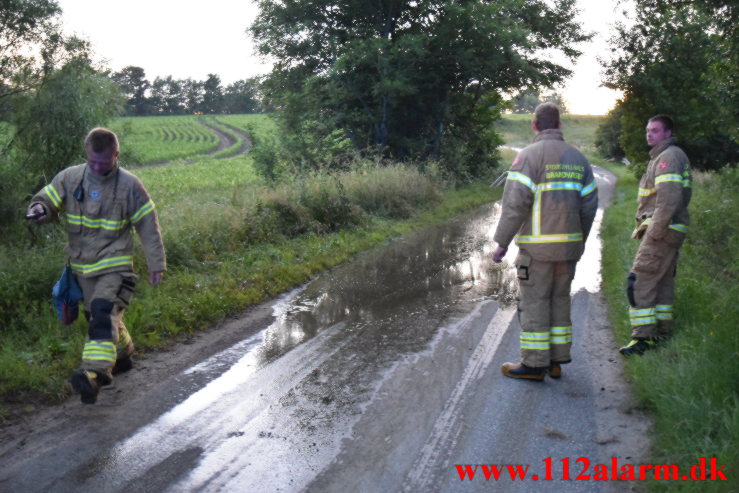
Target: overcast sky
x=192 y=38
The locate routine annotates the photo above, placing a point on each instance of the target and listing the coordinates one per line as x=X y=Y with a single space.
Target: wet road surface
x=379 y=375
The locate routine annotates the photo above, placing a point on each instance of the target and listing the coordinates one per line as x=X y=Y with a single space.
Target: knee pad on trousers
x=630 y=289
x=101 y=325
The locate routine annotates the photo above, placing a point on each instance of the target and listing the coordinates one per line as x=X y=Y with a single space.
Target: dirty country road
x=379 y=375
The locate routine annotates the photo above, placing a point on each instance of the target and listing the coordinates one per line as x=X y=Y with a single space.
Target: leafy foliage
x=608 y=135
x=680 y=58
x=406 y=79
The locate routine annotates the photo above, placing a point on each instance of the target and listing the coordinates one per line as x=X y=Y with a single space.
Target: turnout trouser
x=651 y=284
x=106 y=298
x=544 y=310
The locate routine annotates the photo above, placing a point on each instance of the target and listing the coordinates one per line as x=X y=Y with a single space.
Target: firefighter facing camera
x=661 y=224
x=549 y=203
x=102 y=203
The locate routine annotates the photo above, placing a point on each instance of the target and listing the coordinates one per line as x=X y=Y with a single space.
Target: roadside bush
x=608 y=133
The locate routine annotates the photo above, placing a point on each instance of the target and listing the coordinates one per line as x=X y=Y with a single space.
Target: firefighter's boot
x=638 y=346
x=519 y=370
x=555 y=370
x=122 y=365
x=87 y=383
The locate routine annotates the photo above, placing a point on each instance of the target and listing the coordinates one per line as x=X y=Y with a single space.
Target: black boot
x=122 y=365
x=638 y=345
x=85 y=384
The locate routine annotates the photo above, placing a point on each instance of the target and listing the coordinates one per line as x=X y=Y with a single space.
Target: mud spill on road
x=291 y=392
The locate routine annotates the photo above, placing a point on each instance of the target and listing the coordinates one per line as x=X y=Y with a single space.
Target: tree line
x=169 y=96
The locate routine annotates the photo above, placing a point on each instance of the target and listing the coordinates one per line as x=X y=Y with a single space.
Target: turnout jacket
x=549 y=200
x=664 y=192
x=100 y=211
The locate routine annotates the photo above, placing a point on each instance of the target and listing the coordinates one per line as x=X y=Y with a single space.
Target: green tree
x=526 y=101
x=679 y=57
x=243 y=96
x=132 y=82
x=407 y=79
x=53 y=119
x=212 y=101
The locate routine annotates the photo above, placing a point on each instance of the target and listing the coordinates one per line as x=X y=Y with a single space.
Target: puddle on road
x=332 y=342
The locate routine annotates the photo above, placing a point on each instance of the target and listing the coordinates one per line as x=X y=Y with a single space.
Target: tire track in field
x=224 y=142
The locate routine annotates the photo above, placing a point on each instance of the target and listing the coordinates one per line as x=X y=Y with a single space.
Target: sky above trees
x=189 y=38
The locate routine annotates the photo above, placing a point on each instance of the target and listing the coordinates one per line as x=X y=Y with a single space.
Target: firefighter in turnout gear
x=661 y=225
x=549 y=204
x=101 y=203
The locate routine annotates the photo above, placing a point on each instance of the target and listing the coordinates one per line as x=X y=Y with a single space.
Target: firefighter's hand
x=36 y=212
x=155 y=277
x=499 y=253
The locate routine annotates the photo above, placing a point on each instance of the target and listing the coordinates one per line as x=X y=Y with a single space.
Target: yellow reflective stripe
x=99 y=351
x=561 y=335
x=560 y=185
x=642 y=316
x=521 y=178
x=563 y=238
x=144 y=210
x=589 y=188
x=103 y=264
x=534 y=340
x=668 y=177
x=679 y=227
x=536 y=214
x=51 y=192
x=664 y=312
x=686 y=179
x=96 y=223
x=646 y=192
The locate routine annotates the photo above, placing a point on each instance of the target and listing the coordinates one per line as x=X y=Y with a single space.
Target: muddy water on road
x=283 y=400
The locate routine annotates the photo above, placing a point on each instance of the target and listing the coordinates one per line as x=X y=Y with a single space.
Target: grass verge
x=690 y=385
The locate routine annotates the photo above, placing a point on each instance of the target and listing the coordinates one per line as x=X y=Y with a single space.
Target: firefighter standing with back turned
x=549 y=203
x=102 y=202
x=661 y=224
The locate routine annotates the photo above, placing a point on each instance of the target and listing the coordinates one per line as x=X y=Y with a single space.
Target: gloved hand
x=36 y=212
x=639 y=231
x=499 y=253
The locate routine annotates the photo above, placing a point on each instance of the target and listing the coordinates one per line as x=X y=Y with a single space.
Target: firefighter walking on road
x=102 y=203
x=661 y=224
x=549 y=204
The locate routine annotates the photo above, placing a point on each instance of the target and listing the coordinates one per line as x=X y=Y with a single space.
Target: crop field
x=154 y=139
x=578 y=130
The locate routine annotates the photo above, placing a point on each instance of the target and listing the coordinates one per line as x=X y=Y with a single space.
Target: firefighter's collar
x=656 y=150
x=549 y=134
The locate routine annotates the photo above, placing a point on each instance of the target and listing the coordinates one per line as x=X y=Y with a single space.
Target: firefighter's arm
x=46 y=205
x=669 y=190
x=588 y=203
x=518 y=196
x=146 y=222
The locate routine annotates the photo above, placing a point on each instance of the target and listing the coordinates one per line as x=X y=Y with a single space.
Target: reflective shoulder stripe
x=521 y=178
x=51 y=192
x=589 y=188
x=563 y=238
x=144 y=210
x=668 y=177
x=646 y=192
